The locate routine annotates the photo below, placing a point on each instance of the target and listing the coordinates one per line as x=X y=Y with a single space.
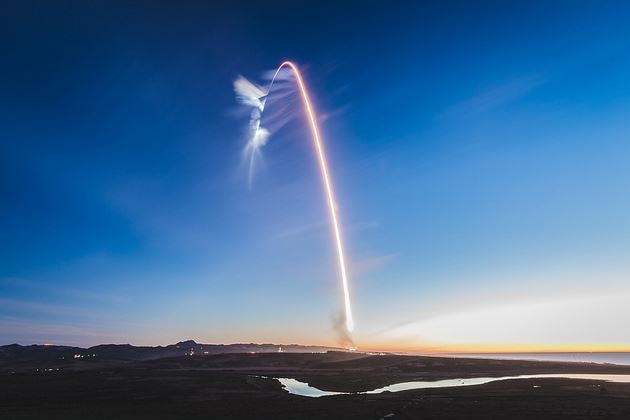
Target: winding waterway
x=301 y=388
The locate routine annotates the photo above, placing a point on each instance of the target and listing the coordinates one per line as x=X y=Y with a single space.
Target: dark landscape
x=127 y=382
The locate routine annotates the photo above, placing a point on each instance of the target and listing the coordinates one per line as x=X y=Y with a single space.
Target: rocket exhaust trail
x=323 y=165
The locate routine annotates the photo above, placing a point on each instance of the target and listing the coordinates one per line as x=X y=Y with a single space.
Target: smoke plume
x=344 y=338
x=253 y=96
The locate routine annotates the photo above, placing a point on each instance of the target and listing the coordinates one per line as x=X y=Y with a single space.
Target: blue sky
x=479 y=153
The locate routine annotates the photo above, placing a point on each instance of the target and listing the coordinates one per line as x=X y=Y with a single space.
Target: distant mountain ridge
x=15 y=355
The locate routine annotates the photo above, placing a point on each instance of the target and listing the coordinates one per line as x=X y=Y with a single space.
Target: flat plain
x=241 y=386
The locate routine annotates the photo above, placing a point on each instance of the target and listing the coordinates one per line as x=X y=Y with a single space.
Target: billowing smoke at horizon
x=344 y=337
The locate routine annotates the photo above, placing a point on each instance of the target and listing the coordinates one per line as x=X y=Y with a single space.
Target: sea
x=615 y=358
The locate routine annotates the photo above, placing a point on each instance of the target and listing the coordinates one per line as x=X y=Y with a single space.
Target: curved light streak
x=330 y=195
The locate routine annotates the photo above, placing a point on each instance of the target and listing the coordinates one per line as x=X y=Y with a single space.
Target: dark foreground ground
x=230 y=387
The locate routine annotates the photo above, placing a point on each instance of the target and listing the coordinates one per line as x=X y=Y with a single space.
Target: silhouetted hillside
x=15 y=356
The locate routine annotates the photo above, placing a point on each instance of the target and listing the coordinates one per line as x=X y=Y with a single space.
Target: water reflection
x=300 y=388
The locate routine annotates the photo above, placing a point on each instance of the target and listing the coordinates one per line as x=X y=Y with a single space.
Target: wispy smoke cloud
x=253 y=96
x=249 y=93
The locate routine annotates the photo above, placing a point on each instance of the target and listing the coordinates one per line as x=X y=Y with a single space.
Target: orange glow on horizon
x=451 y=348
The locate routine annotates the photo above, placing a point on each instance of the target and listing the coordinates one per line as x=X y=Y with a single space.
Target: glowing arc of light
x=330 y=195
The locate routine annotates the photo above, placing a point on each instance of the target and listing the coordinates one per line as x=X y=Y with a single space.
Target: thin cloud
x=300 y=230
x=310 y=228
x=50 y=309
x=69 y=292
x=28 y=332
x=372 y=263
x=495 y=97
